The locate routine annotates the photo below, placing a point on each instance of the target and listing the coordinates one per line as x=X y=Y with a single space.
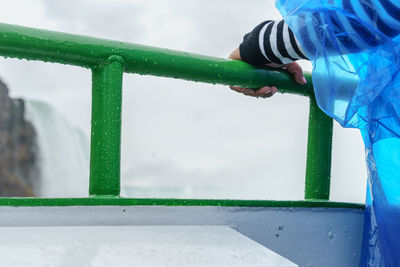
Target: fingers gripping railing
x=110 y=59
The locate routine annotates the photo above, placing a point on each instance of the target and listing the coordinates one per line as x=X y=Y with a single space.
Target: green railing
x=108 y=60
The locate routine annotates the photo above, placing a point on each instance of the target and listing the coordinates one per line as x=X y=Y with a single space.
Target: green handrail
x=110 y=59
x=49 y=46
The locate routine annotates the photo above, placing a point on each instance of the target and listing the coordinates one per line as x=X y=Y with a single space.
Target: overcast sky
x=184 y=138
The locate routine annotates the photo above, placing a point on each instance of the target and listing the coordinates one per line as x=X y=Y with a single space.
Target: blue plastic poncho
x=354 y=46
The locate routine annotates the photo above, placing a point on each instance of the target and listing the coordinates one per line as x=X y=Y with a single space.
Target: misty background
x=179 y=138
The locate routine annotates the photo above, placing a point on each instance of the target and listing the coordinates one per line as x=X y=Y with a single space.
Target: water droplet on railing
x=330 y=234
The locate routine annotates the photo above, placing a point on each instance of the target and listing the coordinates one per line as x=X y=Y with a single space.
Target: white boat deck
x=145 y=246
x=179 y=236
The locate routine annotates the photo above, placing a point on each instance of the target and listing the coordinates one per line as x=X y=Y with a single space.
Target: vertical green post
x=105 y=145
x=319 y=153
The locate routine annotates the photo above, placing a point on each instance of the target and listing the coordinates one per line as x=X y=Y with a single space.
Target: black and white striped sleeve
x=271 y=42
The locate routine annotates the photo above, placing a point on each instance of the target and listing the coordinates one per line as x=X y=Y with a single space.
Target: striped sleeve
x=270 y=42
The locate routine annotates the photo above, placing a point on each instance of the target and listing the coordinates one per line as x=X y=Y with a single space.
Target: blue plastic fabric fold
x=354 y=46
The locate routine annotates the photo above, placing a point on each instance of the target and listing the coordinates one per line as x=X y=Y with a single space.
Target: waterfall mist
x=63 y=153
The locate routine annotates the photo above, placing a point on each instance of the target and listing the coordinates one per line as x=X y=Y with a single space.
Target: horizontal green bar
x=50 y=46
x=116 y=201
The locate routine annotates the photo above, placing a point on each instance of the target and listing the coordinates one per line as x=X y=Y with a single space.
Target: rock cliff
x=18 y=160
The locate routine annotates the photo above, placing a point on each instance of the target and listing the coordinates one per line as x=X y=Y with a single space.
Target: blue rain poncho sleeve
x=354 y=46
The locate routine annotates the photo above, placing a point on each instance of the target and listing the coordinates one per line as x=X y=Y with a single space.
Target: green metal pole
x=319 y=152
x=106 y=127
x=89 y=52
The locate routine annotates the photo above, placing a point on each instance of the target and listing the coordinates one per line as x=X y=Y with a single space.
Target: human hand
x=268 y=91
